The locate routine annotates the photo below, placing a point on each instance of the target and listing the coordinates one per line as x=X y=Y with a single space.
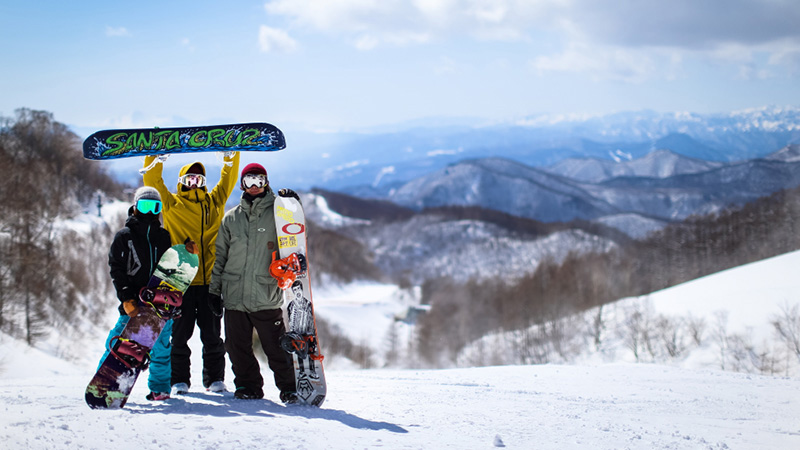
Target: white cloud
x=687 y=24
x=117 y=32
x=366 y=42
x=632 y=34
x=275 y=40
x=599 y=62
x=410 y=22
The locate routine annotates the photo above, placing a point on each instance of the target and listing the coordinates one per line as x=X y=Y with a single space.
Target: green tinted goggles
x=148 y=206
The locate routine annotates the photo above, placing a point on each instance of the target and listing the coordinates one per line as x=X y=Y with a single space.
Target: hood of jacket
x=182 y=191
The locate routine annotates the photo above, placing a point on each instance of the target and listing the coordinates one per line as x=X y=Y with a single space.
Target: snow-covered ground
x=613 y=406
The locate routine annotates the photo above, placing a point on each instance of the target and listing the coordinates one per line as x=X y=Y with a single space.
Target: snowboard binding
x=286 y=270
x=132 y=354
x=292 y=342
x=165 y=303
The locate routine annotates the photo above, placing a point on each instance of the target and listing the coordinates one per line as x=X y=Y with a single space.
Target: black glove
x=286 y=192
x=215 y=303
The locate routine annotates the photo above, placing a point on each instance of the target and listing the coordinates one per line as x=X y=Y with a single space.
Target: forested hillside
x=48 y=273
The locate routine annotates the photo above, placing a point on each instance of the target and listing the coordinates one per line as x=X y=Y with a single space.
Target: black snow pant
x=195 y=309
x=269 y=325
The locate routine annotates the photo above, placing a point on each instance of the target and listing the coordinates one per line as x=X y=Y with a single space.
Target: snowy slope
x=749 y=295
x=735 y=309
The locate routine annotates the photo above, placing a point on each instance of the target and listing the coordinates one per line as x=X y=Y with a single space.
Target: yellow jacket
x=195 y=214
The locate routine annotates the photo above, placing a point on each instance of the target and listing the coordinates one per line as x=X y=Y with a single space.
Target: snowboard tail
x=125 y=143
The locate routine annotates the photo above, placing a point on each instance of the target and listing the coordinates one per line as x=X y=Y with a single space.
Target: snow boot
x=244 y=393
x=217 y=386
x=180 y=388
x=289 y=397
x=154 y=396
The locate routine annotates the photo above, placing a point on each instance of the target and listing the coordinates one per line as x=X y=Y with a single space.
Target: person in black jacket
x=134 y=254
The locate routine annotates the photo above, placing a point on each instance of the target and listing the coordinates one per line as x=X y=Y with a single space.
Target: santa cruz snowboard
x=129 y=352
x=111 y=144
x=291 y=271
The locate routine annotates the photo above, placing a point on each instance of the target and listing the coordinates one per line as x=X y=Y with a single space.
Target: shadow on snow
x=227 y=406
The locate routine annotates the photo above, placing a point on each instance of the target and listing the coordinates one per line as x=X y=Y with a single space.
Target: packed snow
x=609 y=406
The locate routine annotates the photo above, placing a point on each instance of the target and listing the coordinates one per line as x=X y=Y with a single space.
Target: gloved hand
x=215 y=303
x=190 y=245
x=131 y=307
x=286 y=192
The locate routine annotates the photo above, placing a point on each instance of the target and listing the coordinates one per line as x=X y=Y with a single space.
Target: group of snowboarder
x=235 y=250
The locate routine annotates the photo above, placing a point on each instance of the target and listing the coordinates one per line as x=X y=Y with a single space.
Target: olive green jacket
x=244 y=247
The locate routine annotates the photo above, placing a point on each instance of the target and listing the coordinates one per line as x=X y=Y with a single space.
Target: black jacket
x=134 y=255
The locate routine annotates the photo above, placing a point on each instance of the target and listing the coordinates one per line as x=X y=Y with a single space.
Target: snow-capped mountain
x=790 y=153
x=503 y=185
x=673 y=191
x=658 y=164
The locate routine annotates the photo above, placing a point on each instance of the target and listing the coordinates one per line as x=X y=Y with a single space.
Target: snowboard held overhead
x=125 y=143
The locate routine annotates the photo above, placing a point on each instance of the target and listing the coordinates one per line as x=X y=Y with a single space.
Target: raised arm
x=153 y=178
x=227 y=179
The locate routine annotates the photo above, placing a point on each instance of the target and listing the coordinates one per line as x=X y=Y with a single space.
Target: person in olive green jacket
x=252 y=299
x=195 y=213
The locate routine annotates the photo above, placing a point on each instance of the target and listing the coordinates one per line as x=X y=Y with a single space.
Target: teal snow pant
x=160 y=368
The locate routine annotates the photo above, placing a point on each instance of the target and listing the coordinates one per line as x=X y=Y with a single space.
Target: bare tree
x=787 y=328
x=597 y=327
x=720 y=335
x=392 y=345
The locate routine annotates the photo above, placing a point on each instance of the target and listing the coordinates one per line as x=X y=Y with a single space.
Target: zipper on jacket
x=203 y=221
x=150 y=248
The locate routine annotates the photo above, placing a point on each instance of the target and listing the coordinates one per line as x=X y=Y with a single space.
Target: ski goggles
x=148 y=206
x=193 y=180
x=254 y=179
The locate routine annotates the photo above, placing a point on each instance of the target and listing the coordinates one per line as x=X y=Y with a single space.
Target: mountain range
x=496 y=217
x=658 y=188
x=375 y=162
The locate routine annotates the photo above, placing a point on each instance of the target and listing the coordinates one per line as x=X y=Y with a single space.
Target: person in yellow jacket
x=194 y=212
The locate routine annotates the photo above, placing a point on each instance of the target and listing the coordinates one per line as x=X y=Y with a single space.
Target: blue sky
x=354 y=64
